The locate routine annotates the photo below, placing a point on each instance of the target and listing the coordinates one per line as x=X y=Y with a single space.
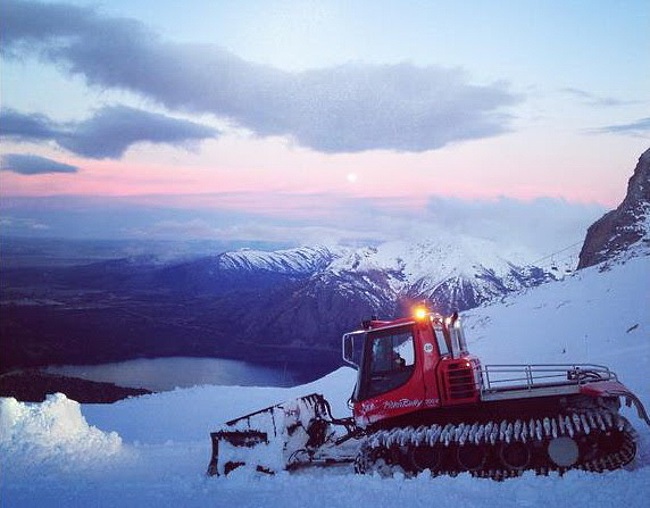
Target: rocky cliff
x=625 y=228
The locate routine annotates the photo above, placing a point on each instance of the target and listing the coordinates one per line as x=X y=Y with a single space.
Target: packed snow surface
x=153 y=450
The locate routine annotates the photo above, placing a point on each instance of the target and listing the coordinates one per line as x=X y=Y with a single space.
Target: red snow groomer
x=423 y=402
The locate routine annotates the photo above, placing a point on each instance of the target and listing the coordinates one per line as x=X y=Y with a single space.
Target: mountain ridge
x=625 y=229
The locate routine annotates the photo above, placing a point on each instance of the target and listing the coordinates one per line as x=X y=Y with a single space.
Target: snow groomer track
x=594 y=440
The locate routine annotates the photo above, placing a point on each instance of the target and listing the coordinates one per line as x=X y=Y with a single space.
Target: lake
x=163 y=374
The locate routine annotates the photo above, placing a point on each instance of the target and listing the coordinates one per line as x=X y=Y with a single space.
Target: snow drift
x=53 y=433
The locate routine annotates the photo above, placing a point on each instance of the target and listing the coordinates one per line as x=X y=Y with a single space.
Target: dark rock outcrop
x=32 y=385
x=627 y=225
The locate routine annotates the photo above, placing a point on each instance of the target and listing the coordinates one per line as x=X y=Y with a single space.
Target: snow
x=595 y=316
x=435 y=260
x=53 y=433
x=291 y=261
x=154 y=450
x=426 y=263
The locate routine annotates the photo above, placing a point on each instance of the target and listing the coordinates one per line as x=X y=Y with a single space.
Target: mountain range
x=278 y=306
x=286 y=306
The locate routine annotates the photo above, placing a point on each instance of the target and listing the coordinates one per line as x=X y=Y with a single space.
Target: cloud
x=10 y=224
x=348 y=108
x=542 y=225
x=26 y=127
x=639 y=128
x=526 y=231
x=595 y=99
x=33 y=165
x=108 y=134
x=114 y=129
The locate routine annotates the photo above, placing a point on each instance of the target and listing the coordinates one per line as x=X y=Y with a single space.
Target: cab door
x=390 y=381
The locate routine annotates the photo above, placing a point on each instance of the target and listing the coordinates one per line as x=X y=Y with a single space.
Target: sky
x=301 y=122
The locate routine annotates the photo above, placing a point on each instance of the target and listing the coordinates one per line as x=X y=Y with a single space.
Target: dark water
x=162 y=374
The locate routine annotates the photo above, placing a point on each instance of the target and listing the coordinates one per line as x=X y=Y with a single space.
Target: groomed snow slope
x=153 y=450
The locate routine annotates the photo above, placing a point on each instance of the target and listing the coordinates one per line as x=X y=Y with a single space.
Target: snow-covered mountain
x=154 y=449
x=452 y=273
x=305 y=260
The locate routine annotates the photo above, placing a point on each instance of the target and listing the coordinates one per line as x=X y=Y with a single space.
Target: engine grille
x=461 y=381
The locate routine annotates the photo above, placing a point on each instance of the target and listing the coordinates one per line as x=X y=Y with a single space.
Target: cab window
x=390 y=360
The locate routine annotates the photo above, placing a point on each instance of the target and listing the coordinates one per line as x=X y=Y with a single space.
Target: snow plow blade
x=285 y=436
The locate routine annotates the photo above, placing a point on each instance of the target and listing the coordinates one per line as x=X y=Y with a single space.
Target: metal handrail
x=527 y=376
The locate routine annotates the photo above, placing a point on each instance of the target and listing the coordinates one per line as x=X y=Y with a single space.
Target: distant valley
x=286 y=306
